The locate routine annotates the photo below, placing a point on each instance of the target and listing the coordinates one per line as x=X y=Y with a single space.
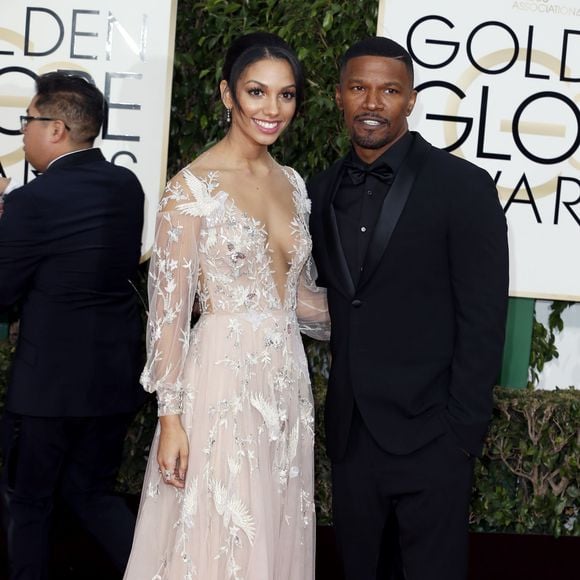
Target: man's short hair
x=378 y=46
x=74 y=100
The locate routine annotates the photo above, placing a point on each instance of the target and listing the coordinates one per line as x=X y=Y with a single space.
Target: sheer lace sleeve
x=173 y=273
x=311 y=304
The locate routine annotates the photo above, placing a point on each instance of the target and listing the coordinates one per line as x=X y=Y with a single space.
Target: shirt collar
x=66 y=154
x=393 y=156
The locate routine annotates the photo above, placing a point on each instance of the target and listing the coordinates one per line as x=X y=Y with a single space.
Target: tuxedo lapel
x=338 y=265
x=393 y=207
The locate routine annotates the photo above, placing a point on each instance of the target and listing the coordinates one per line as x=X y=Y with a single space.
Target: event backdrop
x=498 y=84
x=125 y=48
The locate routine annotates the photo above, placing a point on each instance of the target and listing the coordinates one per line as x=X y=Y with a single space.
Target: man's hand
x=4 y=181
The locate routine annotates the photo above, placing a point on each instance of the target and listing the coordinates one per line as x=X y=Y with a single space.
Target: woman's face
x=266 y=93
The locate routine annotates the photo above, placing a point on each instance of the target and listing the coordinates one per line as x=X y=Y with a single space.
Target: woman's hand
x=173 y=451
x=4 y=182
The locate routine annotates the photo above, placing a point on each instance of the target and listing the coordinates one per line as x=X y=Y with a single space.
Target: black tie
x=359 y=174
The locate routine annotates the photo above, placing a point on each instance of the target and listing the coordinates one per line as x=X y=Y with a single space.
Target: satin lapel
x=393 y=207
x=339 y=267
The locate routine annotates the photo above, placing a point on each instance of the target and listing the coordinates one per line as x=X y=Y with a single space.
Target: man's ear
x=411 y=104
x=58 y=131
x=338 y=97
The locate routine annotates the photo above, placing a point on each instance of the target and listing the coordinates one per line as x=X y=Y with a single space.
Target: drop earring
x=228 y=116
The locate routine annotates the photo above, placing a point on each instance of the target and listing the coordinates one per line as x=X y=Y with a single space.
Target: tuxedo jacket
x=69 y=245
x=417 y=342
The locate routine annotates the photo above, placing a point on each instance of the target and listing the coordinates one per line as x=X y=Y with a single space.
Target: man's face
x=36 y=139
x=375 y=95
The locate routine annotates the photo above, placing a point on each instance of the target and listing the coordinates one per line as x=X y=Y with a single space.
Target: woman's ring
x=167 y=474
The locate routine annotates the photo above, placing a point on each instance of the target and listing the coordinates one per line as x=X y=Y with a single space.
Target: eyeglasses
x=25 y=119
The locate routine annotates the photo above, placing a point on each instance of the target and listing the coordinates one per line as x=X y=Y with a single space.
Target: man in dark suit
x=411 y=243
x=69 y=245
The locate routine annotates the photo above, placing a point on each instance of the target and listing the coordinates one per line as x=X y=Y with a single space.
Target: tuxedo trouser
x=428 y=491
x=77 y=458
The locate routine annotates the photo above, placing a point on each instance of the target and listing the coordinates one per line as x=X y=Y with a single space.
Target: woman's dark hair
x=251 y=48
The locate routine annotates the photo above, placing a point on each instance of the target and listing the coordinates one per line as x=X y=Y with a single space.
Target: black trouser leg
x=428 y=491
x=362 y=516
x=79 y=456
x=434 y=517
x=88 y=485
x=33 y=455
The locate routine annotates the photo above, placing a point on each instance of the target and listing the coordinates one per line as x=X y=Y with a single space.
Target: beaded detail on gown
x=239 y=379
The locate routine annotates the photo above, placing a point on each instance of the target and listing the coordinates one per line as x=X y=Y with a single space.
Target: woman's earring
x=228 y=116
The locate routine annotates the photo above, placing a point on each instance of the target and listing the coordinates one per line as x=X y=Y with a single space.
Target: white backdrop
x=499 y=85
x=125 y=46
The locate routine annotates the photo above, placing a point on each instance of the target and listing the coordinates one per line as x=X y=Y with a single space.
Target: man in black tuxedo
x=411 y=243
x=69 y=245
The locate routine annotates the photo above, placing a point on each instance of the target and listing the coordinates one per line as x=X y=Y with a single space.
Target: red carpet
x=492 y=557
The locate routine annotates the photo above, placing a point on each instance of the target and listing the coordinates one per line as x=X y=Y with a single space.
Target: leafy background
x=319 y=30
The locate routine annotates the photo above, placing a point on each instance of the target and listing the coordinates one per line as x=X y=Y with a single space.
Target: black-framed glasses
x=25 y=119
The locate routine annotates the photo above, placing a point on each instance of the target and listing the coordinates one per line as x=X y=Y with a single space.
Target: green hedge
x=6 y=352
x=529 y=477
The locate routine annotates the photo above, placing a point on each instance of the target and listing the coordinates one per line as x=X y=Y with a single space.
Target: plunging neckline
x=262 y=227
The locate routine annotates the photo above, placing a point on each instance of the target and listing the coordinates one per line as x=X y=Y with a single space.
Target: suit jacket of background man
x=69 y=245
x=417 y=343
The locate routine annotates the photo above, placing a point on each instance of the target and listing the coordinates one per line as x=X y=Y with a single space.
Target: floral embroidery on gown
x=239 y=379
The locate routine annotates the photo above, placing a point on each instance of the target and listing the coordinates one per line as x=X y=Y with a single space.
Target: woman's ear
x=226 y=95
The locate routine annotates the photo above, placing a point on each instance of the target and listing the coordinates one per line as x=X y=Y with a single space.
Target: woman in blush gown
x=229 y=491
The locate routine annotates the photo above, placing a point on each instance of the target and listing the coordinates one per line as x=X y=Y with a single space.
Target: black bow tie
x=359 y=174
